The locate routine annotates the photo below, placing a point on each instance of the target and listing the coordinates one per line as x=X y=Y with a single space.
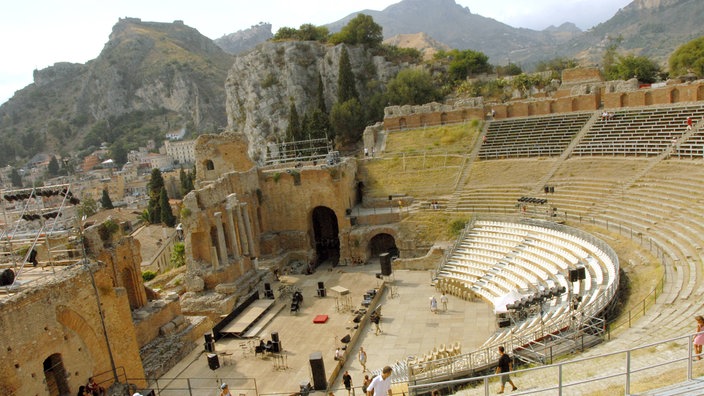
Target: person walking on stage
x=347 y=380
x=362 y=357
x=504 y=367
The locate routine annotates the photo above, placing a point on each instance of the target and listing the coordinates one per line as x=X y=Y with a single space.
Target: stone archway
x=55 y=376
x=326 y=235
x=383 y=243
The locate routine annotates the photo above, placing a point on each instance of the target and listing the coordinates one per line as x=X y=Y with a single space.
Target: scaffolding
x=311 y=150
x=38 y=231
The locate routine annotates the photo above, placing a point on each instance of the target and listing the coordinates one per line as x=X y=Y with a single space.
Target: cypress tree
x=166 y=215
x=346 y=88
x=156 y=183
x=105 y=200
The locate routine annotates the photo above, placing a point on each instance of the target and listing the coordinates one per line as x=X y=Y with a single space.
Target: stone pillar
x=243 y=235
x=222 y=246
x=248 y=229
x=214 y=257
x=232 y=233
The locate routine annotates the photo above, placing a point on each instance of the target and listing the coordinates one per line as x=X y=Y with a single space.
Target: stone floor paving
x=409 y=329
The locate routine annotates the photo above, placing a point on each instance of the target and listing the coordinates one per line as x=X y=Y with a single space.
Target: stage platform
x=238 y=326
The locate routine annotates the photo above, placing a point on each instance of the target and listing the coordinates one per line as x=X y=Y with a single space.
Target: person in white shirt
x=381 y=384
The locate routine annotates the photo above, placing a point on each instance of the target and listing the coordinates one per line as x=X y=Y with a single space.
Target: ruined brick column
x=222 y=246
x=248 y=229
x=242 y=233
x=231 y=233
x=214 y=257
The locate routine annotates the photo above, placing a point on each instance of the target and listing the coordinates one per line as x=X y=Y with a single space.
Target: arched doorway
x=325 y=234
x=55 y=376
x=383 y=243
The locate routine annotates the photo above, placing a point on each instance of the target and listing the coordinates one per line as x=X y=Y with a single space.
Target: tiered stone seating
x=532 y=136
x=638 y=132
x=492 y=199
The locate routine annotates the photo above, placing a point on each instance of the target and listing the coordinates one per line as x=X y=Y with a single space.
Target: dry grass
x=458 y=138
x=508 y=172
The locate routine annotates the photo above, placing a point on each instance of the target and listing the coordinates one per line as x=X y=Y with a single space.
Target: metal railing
x=621 y=372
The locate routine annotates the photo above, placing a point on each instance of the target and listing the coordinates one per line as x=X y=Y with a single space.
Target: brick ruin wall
x=581 y=90
x=62 y=318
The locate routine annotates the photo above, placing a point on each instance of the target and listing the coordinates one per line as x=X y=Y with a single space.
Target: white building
x=181 y=151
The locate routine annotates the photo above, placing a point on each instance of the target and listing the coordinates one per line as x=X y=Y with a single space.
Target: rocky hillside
x=427 y=45
x=649 y=27
x=262 y=84
x=149 y=79
x=455 y=26
x=653 y=28
x=243 y=40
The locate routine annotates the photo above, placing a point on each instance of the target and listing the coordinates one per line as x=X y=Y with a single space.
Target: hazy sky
x=37 y=33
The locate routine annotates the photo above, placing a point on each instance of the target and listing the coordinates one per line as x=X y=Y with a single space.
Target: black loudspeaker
x=345 y=339
x=348 y=211
x=267 y=286
x=213 y=361
x=506 y=322
x=275 y=346
x=208 y=337
x=546 y=189
x=317 y=368
x=552 y=190
x=574 y=275
x=7 y=277
x=581 y=273
x=275 y=336
x=321 y=285
x=321 y=293
x=353 y=220
x=385 y=260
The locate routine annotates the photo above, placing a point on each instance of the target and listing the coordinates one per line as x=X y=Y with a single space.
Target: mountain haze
x=149 y=78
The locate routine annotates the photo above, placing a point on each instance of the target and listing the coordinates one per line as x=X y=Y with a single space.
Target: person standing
x=381 y=384
x=224 y=390
x=689 y=123
x=362 y=357
x=504 y=367
x=699 y=338
x=443 y=300
x=347 y=380
x=433 y=305
x=366 y=383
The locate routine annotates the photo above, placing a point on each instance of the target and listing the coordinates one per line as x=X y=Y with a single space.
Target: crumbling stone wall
x=62 y=317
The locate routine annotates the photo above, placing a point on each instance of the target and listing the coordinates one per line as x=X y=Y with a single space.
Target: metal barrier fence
x=621 y=372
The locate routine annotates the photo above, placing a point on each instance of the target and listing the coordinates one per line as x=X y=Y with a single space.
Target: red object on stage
x=320 y=319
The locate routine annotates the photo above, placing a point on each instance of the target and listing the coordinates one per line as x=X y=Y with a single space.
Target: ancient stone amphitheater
x=531 y=187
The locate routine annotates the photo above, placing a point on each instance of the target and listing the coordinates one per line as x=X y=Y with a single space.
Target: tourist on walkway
x=362 y=357
x=381 y=384
x=505 y=366
x=433 y=305
x=699 y=338
x=443 y=300
x=347 y=380
x=366 y=383
x=224 y=390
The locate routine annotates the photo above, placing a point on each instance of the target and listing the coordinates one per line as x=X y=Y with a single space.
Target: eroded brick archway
x=326 y=235
x=382 y=243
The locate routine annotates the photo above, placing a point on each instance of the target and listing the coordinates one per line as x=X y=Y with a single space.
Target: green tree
x=412 y=87
x=347 y=121
x=88 y=207
x=556 y=65
x=293 y=130
x=118 y=152
x=631 y=66
x=688 y=58
x=155 y=185
x=285 y=33
x=511 y=69
x=166 y=215
x=610 y=56
x=15 y=178
x=105 y=200
x=463 y=64
x=310 y=32
x=53 y=167
x=178 y=255
x=346 y=83
x=186 y=182
x=360 y=30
